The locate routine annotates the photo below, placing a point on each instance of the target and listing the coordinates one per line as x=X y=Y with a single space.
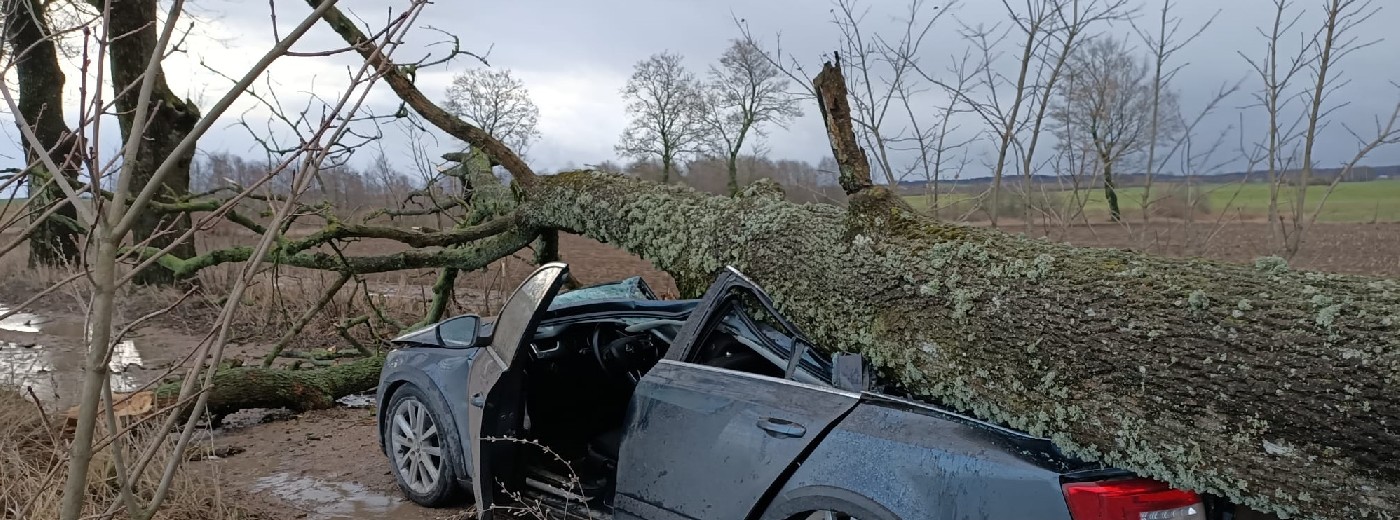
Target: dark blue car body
x=686 y=436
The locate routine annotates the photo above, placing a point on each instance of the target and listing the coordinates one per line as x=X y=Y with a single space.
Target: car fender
x=413 y=376
x=891 y=463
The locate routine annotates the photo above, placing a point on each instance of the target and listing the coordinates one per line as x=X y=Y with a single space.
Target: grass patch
x=1350 y=202
x=32 y=461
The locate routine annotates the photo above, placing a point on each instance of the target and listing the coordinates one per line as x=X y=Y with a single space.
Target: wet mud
x=324 y=465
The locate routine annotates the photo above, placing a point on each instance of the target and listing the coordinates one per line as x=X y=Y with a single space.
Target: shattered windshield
x=633 y=288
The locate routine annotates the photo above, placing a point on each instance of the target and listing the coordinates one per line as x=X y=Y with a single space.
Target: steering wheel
x=619 y=357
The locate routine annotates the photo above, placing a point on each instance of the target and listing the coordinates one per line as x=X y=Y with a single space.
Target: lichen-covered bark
x=473 y=256
x=169 y=120
x=299 y=390
x=1273 y=387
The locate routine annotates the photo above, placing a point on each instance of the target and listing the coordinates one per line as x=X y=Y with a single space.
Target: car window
x=748 y=337
x=633 y=288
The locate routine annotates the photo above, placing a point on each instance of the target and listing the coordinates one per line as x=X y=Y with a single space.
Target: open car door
x=495 y=384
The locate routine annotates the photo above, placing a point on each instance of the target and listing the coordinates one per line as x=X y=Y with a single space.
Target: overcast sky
x=575 y=56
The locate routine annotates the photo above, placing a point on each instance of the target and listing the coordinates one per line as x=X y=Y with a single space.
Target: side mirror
x=458 y=332
x=850 y=372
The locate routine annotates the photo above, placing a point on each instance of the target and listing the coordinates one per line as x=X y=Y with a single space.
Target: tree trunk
x=299 y=390
x=1110 y=192
x=732 y=186
x=666 y=168
x=170 y=120
x=1269 y=386
x=55 y=240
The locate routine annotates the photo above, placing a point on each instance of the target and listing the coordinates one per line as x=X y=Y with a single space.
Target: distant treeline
x=1125 y=180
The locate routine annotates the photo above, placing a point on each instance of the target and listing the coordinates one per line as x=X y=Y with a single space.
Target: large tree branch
x=835 y=108
x=414 y=98
x=470 y=256
x=1270 y=386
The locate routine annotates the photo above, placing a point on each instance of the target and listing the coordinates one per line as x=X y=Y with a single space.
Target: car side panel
x=440 y=373
x=706 y=442
x=893 y=464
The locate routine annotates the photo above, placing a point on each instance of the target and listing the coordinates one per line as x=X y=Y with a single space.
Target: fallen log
x=237 y=388
x=1272 y=386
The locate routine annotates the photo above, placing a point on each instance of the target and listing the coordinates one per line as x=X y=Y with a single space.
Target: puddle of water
x=328 y=500
x=56 y=375
x=54 y=371
x=20 y=321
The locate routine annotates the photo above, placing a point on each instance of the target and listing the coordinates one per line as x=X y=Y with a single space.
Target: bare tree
x=134 y=44
x=496 y=101
x=1332 y=42
x=1005 y=118
x=744 y=93
x=55 y=232
x=1274 y=97
x=664 y=101
x=1108 y=96
x=1162 y=45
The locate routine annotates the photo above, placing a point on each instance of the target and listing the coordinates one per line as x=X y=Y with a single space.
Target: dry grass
x=32 y=454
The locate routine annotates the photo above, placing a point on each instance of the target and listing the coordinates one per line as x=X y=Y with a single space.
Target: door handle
x=478 y=401
x=781 y=428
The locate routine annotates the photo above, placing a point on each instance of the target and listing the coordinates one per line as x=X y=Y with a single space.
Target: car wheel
x=418 y=450
x=827 y=515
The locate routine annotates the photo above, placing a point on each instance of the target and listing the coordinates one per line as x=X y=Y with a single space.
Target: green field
x=1369 y=201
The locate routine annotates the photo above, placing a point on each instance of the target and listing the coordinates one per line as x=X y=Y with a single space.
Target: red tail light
x=1131 y=499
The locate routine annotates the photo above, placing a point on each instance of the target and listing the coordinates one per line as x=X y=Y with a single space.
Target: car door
x=495 y=385
x=708 y=442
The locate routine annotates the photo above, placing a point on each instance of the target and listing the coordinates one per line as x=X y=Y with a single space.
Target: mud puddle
x=325 y=464
x=46 y=355
x=324 y=500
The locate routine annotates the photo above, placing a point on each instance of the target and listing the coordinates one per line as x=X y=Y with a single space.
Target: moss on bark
x=169 y=120
x=299 y=390
x=1271 y=386
x=54 y=240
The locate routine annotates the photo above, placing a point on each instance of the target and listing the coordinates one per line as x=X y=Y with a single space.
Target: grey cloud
x=576 y=55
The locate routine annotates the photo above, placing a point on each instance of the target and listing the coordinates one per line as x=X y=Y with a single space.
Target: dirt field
x=1372 y=249
x=327 y=465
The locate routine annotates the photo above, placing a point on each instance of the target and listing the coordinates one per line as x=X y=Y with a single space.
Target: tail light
x=1131 y=499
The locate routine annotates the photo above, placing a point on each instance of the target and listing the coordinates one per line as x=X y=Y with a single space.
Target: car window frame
x=801 y=347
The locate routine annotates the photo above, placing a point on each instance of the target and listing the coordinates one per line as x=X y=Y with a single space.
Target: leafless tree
x=1332 y=42
x=496 y=101
x=1275 y=98
x=664 y=101
x=1108 y=95
x=54 y=233
x=744 y=93
x=1162 y=46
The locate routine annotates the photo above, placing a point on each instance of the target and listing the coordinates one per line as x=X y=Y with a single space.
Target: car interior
x=580 y=376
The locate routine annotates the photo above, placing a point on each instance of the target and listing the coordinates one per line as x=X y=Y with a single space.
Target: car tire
x=419 y=449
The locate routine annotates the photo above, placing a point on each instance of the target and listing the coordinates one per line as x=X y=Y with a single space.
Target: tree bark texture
x=238 y=388
x=1273 y=387
x=169 y=121
x=55 y=240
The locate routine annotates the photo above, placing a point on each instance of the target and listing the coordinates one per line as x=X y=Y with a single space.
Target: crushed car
x=606 y=402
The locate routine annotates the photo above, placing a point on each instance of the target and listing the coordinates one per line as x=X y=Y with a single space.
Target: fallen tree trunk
x=1273 y=387
x=237 y=388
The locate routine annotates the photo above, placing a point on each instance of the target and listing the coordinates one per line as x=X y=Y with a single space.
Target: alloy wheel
x=417 y=446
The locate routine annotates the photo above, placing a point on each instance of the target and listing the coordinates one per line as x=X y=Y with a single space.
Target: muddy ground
x=327 y=465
